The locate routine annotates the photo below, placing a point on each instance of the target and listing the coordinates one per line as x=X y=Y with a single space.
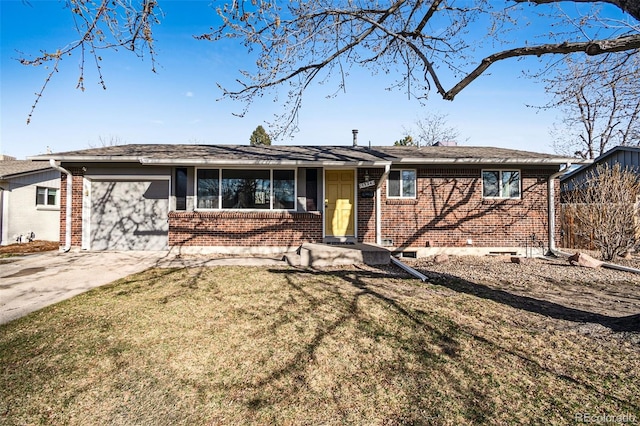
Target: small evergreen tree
x=406 y=141
x=260 y=137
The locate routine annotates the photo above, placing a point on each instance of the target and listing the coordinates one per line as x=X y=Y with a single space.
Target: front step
x=323 y=255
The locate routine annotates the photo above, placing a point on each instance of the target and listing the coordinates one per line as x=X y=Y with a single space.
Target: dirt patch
x=591 y=301
x=26 y=248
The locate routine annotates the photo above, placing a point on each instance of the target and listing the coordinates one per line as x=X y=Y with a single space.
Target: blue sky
x=179 y=103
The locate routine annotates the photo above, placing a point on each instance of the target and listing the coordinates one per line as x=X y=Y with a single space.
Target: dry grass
x=234 y=345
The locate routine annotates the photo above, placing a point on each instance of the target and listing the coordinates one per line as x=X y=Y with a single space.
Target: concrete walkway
x=32 y=282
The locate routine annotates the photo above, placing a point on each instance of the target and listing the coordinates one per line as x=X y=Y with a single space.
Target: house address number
x=367 y=184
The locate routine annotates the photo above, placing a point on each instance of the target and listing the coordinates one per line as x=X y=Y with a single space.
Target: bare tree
x=423 y=42
x=433 y=128
x=605 y=210
x=104 y=141
x=600 y=104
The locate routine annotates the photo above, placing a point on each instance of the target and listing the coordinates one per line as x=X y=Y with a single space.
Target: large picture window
x=501 y=183
x=46 y=196
x=245 y=189
x=402 y=184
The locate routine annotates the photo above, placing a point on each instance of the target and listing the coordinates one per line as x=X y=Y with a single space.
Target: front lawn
x=233 y=345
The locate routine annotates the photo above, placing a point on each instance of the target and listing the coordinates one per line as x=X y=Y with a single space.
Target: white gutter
x=409 y=269
x=552 y=207
x=487 y=160
x=69 y=206
x=1 y=214
x=387 y=169
x=606 y=264
x=219 y=162
x=311 y=163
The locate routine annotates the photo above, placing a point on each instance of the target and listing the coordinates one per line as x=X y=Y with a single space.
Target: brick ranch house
x=233 y=199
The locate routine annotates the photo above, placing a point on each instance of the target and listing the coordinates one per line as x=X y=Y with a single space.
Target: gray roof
x=304 y=155
x=626 y=156
x=11 y=168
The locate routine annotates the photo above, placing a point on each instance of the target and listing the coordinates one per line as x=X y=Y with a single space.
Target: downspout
x=552 y=208
x=1 y=214
x=67 y=235
x=387 y=169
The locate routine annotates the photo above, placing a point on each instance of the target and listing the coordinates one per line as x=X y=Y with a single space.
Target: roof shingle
x=247 y=154
x=10 y=168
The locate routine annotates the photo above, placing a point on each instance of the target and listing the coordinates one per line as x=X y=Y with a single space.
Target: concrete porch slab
x=323 y=255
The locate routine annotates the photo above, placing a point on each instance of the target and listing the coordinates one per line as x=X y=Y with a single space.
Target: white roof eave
x=550 y=161
x=375 y=163
x=218 y=162
x=87 y=158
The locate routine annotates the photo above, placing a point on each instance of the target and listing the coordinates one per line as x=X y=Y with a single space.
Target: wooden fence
x=568 y=235
x=569 y=239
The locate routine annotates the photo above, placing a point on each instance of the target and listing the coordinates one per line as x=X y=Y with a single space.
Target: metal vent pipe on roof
x=355 y=137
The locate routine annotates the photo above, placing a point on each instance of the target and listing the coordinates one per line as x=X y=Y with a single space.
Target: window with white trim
x=246 y=189
x=237 y=189
x=46 y=196
x=401 y=184
x=208 y=188
x=501 y=183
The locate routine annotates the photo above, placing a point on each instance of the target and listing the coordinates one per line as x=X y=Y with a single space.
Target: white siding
x=20 y=213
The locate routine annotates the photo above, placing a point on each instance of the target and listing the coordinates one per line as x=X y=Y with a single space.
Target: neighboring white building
x=29 y=201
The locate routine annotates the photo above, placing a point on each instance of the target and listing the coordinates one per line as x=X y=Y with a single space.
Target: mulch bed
x=31 y=247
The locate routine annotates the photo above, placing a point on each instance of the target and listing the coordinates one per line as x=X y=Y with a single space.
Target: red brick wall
x=76 y=206
x=226 y=228
x=449 y=210
x=367 y=207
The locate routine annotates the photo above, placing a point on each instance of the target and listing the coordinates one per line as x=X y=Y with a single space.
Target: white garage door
x=128 y=215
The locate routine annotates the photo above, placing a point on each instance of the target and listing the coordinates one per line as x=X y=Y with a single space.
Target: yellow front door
x=338 y=206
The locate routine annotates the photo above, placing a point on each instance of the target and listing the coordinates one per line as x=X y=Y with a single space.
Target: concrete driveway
x=32 y=282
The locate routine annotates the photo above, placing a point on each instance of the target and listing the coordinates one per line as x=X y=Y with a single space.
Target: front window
x=501 y=184
x=181 y=188
x=284 y=189
x=208 y=188
x=402 y=184
x=46 y=196
x=245 y=189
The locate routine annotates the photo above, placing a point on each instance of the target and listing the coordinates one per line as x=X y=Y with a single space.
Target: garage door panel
x=129 y=215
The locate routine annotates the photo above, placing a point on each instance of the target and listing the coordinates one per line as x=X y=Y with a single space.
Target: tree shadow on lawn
x=630 y=323
x=432 y=342
x=437 y=343
x=304 y=341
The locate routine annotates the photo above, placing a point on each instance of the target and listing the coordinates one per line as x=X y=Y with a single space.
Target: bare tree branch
x=632 y=7
x=591 y=48
x=600 y=105
x=421 y=42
